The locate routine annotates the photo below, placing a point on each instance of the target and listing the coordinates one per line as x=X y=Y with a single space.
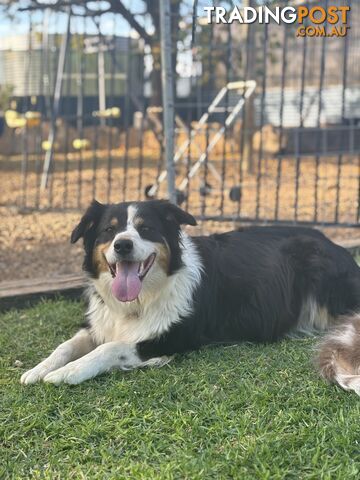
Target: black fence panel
x=267 y=123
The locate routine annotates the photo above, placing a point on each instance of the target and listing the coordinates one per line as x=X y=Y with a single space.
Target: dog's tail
x=338 y=357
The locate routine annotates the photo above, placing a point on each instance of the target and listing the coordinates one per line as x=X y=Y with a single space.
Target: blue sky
x=109 y=22
x=21 y=24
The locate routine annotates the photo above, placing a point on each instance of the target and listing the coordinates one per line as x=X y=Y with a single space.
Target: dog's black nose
x=123 y=246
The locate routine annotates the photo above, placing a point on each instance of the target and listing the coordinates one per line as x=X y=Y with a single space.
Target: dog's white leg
x=79 y=345
x=103 y=358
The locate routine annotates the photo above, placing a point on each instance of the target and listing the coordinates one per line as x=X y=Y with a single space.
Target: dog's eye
x=145 y=229
x=109 y=229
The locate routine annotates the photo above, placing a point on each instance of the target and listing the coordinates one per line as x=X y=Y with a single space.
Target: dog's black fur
x=154 y=292
x=255 y=280
x=254 y=284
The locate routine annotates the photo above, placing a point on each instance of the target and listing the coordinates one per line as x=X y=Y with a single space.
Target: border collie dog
x=154 y=292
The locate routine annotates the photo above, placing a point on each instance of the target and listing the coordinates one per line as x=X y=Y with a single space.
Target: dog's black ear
x=89 y=219
x=173 y=212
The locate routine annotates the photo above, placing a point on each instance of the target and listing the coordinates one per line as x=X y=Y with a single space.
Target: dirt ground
x=307 y=187
x=35 y=242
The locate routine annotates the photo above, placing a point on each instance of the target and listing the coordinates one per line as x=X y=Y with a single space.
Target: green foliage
x=6 y=92
x=245 y=412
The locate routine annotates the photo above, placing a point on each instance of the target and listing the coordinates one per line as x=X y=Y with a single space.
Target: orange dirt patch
x=37 y=243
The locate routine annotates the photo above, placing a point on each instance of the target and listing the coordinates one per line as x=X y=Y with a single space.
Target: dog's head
x=132 y=247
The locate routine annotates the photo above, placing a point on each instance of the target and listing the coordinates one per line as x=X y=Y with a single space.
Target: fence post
x=249 y=121
x=56 y=102
x=167 y=81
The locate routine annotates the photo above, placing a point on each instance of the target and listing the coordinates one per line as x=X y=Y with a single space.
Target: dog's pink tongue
x=127 y=284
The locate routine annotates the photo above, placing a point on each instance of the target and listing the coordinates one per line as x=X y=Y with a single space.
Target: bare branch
x=118 y=7
x=62 y=8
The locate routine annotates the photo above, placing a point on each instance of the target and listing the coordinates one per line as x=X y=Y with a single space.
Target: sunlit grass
x=246 y=412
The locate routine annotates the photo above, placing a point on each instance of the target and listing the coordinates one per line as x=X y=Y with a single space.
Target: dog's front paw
x=73 y=373
x=35 y=374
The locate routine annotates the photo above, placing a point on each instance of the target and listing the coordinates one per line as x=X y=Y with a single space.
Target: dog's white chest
x=106 y=326
x=134 y=323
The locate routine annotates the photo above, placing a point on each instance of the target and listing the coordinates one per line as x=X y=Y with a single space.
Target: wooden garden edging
x=22 y=293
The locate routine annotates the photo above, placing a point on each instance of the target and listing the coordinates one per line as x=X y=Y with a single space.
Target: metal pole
x=101 y=80
x=56 y=105
x=248 y=124
x=167 y=81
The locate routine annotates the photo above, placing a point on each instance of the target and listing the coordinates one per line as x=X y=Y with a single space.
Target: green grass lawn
x=246 y=412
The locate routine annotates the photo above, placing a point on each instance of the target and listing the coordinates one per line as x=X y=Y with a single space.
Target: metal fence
x=267 y=123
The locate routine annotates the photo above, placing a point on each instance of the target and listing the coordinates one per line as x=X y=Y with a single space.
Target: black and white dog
x=154 y=292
